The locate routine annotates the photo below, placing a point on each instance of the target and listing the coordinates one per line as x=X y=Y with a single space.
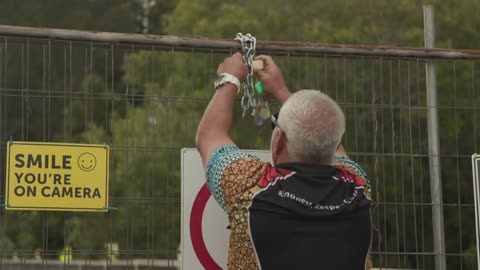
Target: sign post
x=205 y=235
x=56 y=177
x=476 y=193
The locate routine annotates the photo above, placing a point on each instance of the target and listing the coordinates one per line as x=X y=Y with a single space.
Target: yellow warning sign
x=55 y=176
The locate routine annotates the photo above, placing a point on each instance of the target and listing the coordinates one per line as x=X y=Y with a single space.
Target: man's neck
x=315 y=162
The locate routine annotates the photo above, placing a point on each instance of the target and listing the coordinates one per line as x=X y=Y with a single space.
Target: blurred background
x=146 y=102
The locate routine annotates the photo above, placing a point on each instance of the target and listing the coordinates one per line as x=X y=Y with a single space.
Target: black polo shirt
x=294 y=215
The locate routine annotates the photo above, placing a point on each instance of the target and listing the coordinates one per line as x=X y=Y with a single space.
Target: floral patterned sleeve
x=230 y=173
x=352 y=167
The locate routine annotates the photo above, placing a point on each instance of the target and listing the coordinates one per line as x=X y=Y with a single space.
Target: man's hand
x=272 y=79
x=234 y=65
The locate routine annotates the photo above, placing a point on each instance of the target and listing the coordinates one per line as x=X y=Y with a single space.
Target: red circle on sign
x=196 y=234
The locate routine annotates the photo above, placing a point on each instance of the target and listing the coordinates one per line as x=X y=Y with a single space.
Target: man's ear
x=280 y=144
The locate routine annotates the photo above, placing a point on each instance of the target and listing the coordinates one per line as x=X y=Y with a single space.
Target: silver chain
x=248 y=43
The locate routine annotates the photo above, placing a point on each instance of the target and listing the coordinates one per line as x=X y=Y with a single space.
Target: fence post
x=433 y=143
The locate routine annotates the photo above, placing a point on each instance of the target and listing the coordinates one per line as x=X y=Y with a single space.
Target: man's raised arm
x=213 y=130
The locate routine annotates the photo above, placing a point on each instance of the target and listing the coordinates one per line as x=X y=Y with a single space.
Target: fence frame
x=272 y=47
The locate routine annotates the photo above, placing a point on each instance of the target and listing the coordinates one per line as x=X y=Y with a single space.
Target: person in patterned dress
x=310 y=207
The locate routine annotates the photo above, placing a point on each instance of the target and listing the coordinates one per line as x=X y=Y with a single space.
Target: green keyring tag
x=259 y=87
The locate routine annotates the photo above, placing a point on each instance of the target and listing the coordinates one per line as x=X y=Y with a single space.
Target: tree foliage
x=148 y=103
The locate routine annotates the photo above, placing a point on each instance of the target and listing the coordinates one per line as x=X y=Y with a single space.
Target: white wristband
x=225 y=78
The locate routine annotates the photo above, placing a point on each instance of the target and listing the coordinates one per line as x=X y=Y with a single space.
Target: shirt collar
x=309 y=168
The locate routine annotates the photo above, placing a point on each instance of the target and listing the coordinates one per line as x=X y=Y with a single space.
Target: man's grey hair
x=313 y=124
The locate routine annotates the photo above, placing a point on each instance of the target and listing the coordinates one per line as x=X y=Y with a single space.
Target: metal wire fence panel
x=145 y=101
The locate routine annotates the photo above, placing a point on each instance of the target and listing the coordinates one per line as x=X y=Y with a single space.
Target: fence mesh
x=146 y=102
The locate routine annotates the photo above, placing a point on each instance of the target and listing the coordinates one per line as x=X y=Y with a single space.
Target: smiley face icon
x=87 y=162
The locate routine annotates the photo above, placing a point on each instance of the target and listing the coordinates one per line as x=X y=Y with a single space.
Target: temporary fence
x=412 y=117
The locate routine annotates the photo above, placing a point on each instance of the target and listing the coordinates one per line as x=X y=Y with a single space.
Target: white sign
x=204 y=223
x=476 y=193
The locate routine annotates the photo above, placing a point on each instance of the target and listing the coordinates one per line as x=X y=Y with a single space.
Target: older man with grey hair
x=310 y=209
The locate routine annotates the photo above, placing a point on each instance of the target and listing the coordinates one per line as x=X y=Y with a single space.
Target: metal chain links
x=249 y=100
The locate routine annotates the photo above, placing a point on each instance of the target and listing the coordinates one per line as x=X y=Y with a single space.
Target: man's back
x=310 y=221
x=293 y=216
